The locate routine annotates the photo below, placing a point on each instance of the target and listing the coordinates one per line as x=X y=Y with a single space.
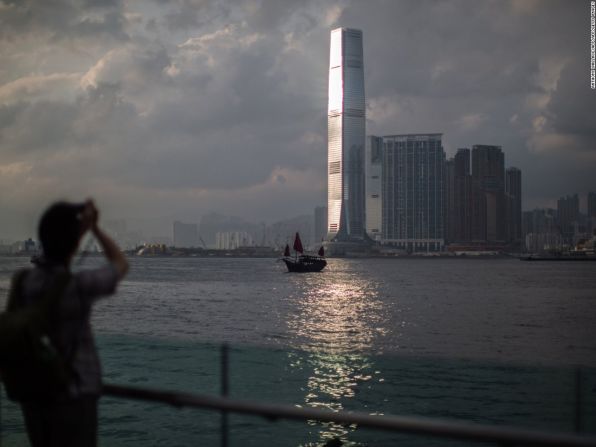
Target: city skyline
x=170 y=111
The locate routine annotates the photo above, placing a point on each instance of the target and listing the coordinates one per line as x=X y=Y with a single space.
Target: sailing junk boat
x=301 y=262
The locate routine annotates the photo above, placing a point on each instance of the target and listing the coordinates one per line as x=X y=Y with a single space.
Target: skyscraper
x=374 y=198
x=450 y=211
x=463 y=196
x=592 y=213
x=413 y=207
x=568 y=216
x=513 y=191
x=540 y=230
x=346 y=133
x=488 y=190
x=592 y=204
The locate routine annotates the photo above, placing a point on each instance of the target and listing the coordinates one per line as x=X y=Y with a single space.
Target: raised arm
x=109 y=247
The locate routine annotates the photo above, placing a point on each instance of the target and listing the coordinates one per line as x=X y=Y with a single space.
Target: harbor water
x=493 y=341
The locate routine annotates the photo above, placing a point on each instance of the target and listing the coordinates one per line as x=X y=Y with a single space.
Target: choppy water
x=491 y=341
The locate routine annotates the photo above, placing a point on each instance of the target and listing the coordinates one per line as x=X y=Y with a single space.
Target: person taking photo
x=69 y=416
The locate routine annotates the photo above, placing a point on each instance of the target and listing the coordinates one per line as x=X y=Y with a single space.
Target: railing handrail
x=405 y=424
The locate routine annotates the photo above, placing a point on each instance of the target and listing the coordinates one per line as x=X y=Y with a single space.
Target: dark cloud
x=73 y=19
x=570 y=109
x=221 y=105
x=32 y=127
x=188 y=15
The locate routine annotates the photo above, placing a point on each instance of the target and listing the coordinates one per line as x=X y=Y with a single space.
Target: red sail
x=298 y=244
x=321 y=251
x=287 y=250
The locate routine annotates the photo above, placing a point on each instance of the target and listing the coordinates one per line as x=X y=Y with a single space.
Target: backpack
x=31 y=366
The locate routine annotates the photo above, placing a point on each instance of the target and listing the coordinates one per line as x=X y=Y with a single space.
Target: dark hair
x=60 y=230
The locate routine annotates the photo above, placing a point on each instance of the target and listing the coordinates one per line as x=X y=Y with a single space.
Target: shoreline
x=227 y=254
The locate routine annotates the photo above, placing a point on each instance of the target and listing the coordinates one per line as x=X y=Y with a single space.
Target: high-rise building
x=592 y=204
x=568 y=216
x=513 y=191
x=540 y=230
x=592 y=213
x=373 y=175
x=463 y=196
x=231 y=240
x=185 y=235
x=346 y=134
x=413 y=210
x=450 y=211
x=458 y=197
x=488 y=194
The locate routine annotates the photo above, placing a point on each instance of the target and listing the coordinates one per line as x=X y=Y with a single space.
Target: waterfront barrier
x=501 y=435
x=572 y=401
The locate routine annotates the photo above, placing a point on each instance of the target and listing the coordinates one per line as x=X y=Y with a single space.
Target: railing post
x=224 y=393
x=578 y=400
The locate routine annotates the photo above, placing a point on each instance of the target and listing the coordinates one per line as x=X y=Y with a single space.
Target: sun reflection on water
x=338 y=317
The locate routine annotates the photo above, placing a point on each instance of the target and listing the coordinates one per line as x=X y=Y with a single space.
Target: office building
x=450 y=200
x=373 y=166
x=412 y=192
x=592 y=204
x=346 y=135
x=231 y=240
x=513 y=191
x=185 y=235
x=462 y=196
x=488 y=194
x=568 y=216
x=458 y=197
x=591 y=222
x=541 y=231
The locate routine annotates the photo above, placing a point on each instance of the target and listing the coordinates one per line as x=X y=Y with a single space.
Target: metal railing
x=464 y=431
x=502 y=435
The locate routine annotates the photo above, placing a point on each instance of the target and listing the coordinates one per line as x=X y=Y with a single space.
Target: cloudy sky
x=174 y=109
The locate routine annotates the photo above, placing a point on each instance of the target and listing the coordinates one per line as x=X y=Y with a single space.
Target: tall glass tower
x=346 y=133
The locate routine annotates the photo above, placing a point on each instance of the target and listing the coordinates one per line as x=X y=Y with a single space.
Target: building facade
x=541 y=231
x=488 y=194
x=458 y=187
x=373 y=166
x=462 y=196
x=513 y=195
x=568 y=216
x=592 y=204
x=412 y=192
x=231 y=240
x=592 y=213
x=450 y=200
x=346 y=135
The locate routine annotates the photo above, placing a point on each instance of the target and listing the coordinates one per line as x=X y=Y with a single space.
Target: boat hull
x=305 y=264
